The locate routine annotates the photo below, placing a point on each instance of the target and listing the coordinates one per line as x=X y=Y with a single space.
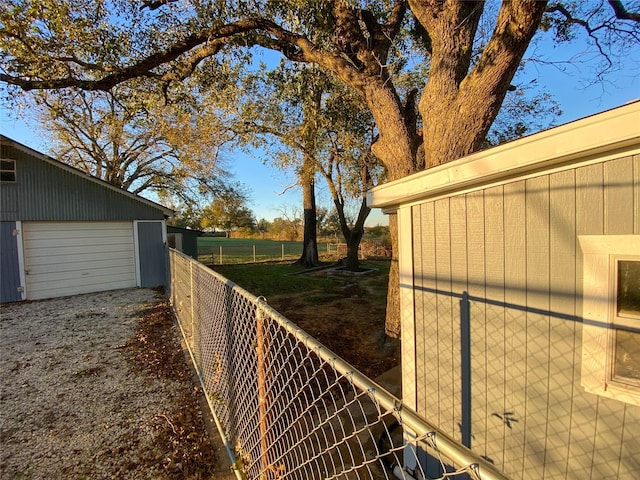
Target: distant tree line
x=233 y=217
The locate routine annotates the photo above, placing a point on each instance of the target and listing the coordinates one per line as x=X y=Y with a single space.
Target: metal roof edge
x=75 y=171
x=614 y=129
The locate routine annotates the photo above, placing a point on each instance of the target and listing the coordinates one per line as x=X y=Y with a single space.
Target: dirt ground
x=348 y=320
x=97 y=387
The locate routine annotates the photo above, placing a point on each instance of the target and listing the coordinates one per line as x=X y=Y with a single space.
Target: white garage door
x=68 y=258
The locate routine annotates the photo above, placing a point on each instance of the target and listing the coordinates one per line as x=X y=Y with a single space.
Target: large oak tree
x=95 y=45
x=125 y=140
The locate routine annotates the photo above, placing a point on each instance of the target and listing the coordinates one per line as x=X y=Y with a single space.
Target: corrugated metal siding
x=9 y=264
x=513 y=249
x=45 y=192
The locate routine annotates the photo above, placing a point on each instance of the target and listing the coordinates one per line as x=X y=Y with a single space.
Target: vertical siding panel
x=411 y=299
x=427 y=393
x=458 y=286
x=608 y=440
x=443 y=321
x=537 y=225
x=630 y=451
x=476 y=286
x=9 y=264
x=46 y=191
x=414 y=343
x=618 y=197
x=563 y=372
x=152 y=254
x=618 y=219
x=589 y=221
x=495 y=314
x=516 y=330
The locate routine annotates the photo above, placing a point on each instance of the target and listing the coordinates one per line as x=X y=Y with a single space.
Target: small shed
x=520 y=299
x=64 y=232
x=184 y=240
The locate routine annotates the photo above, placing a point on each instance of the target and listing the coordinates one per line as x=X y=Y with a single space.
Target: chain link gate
x=289 y=408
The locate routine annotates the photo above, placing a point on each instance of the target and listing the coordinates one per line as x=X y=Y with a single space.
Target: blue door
x=10 y=287
x=152 y=254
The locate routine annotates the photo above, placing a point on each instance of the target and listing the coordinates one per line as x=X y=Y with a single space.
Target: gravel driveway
x=96 y=386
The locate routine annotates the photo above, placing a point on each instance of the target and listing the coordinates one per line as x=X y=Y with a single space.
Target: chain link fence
x=289 y=408
x=244 y=252
x=231 y=253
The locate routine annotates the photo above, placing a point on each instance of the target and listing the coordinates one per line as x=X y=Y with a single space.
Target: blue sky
x=571 y=88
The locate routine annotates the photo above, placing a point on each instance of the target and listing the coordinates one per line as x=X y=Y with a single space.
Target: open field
x=220 y=250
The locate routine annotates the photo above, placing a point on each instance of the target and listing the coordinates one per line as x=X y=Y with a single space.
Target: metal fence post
x=261 y=339
x=254 y=254
x=191 y=302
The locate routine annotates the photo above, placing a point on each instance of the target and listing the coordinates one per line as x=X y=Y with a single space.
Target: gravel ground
x=97 y=387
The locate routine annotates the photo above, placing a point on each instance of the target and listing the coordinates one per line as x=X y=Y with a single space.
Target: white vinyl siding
x=69 y=258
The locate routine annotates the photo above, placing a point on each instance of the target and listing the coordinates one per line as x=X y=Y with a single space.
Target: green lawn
x=270 y=279
x=282 y=279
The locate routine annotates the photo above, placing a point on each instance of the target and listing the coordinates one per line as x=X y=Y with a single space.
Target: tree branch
x=622 y=13
x=214 y=39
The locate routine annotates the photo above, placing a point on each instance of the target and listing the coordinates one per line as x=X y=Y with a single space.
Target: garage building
x=64 y=232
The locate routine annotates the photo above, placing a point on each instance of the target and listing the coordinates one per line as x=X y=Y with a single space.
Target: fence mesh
x=291 y=409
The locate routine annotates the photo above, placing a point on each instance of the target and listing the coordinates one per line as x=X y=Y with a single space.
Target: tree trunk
x=458 y=104
x=396 y=145
x=353 y=245
x=352 y=236
x=392 y=322
x=309 y=257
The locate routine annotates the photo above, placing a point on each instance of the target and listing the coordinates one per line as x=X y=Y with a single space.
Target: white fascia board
x=618 y=128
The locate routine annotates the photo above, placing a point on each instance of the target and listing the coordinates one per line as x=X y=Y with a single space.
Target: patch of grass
x=268 y=279
x=281 y=279
x=249 y=250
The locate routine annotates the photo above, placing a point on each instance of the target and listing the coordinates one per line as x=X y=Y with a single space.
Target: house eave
x=615 y=130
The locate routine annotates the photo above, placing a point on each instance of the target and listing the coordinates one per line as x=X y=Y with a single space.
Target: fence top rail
x=418 y=425
x=233 y=286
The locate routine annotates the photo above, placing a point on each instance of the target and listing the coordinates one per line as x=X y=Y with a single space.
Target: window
x=611 y=316
x=626 y=360
x=7 y=170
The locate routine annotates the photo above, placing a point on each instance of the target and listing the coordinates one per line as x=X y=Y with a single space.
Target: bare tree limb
x=622 y=13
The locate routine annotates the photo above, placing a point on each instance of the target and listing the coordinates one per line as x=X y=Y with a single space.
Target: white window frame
x=600 y=256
